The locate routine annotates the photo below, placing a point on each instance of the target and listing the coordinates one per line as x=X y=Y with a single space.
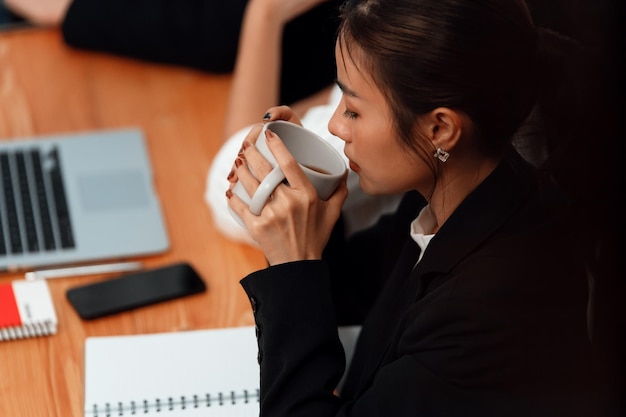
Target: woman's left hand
x=294 y=223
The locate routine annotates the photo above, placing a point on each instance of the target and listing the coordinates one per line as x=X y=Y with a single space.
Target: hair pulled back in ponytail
x=558 y=134
x=518 y=83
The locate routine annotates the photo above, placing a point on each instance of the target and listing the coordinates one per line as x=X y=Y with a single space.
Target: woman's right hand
x=295 y=224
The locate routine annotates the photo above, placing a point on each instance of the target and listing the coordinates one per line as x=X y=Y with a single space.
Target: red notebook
x=26 y=310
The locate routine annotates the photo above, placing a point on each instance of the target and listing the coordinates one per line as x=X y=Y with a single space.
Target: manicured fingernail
x=231 y=174
x=267 y=116
x=241 y=156
x=245 y=145
x=238 y=162
x=229 y=194
x=269 y=135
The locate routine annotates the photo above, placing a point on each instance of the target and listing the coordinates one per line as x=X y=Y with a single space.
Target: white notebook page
x=201 y=372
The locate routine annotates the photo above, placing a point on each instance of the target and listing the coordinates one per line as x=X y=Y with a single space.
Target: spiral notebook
x=212 y=372
x=207 y=373
x=26 y=310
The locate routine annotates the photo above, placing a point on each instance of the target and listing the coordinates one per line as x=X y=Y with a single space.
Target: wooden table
x=47 y=87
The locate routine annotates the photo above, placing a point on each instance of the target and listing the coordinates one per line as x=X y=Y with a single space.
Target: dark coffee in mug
x=317 y=169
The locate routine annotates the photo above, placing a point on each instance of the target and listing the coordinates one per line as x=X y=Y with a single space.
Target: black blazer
x=491 y=322
x=204 y=34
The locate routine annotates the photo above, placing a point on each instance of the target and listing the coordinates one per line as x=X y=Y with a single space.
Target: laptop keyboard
x=34 y=214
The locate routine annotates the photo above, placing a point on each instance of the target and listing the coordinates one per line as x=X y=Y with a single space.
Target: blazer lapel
x=483 y=212
x=479 y=215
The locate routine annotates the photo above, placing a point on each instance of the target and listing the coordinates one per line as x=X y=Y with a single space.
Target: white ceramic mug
x=321 y=163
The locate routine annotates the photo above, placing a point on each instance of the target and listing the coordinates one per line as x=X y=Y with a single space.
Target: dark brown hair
x=477 y=56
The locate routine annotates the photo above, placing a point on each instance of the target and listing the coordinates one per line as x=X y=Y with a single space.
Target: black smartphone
x=136 y=289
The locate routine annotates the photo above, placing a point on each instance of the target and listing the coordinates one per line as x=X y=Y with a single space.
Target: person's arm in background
x=256 y=87
x=257 y=75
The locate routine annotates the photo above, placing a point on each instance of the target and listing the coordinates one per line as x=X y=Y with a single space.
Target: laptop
x=77 y=198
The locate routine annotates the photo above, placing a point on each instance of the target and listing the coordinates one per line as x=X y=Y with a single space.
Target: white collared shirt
x=423 y=223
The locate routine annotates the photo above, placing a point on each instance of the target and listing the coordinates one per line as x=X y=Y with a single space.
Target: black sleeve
x=199 y=34
x=300 y=354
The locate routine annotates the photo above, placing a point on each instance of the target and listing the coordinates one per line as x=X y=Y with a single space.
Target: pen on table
x=83 y=270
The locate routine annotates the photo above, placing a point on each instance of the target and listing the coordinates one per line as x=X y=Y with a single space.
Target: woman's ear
x=445 y=128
